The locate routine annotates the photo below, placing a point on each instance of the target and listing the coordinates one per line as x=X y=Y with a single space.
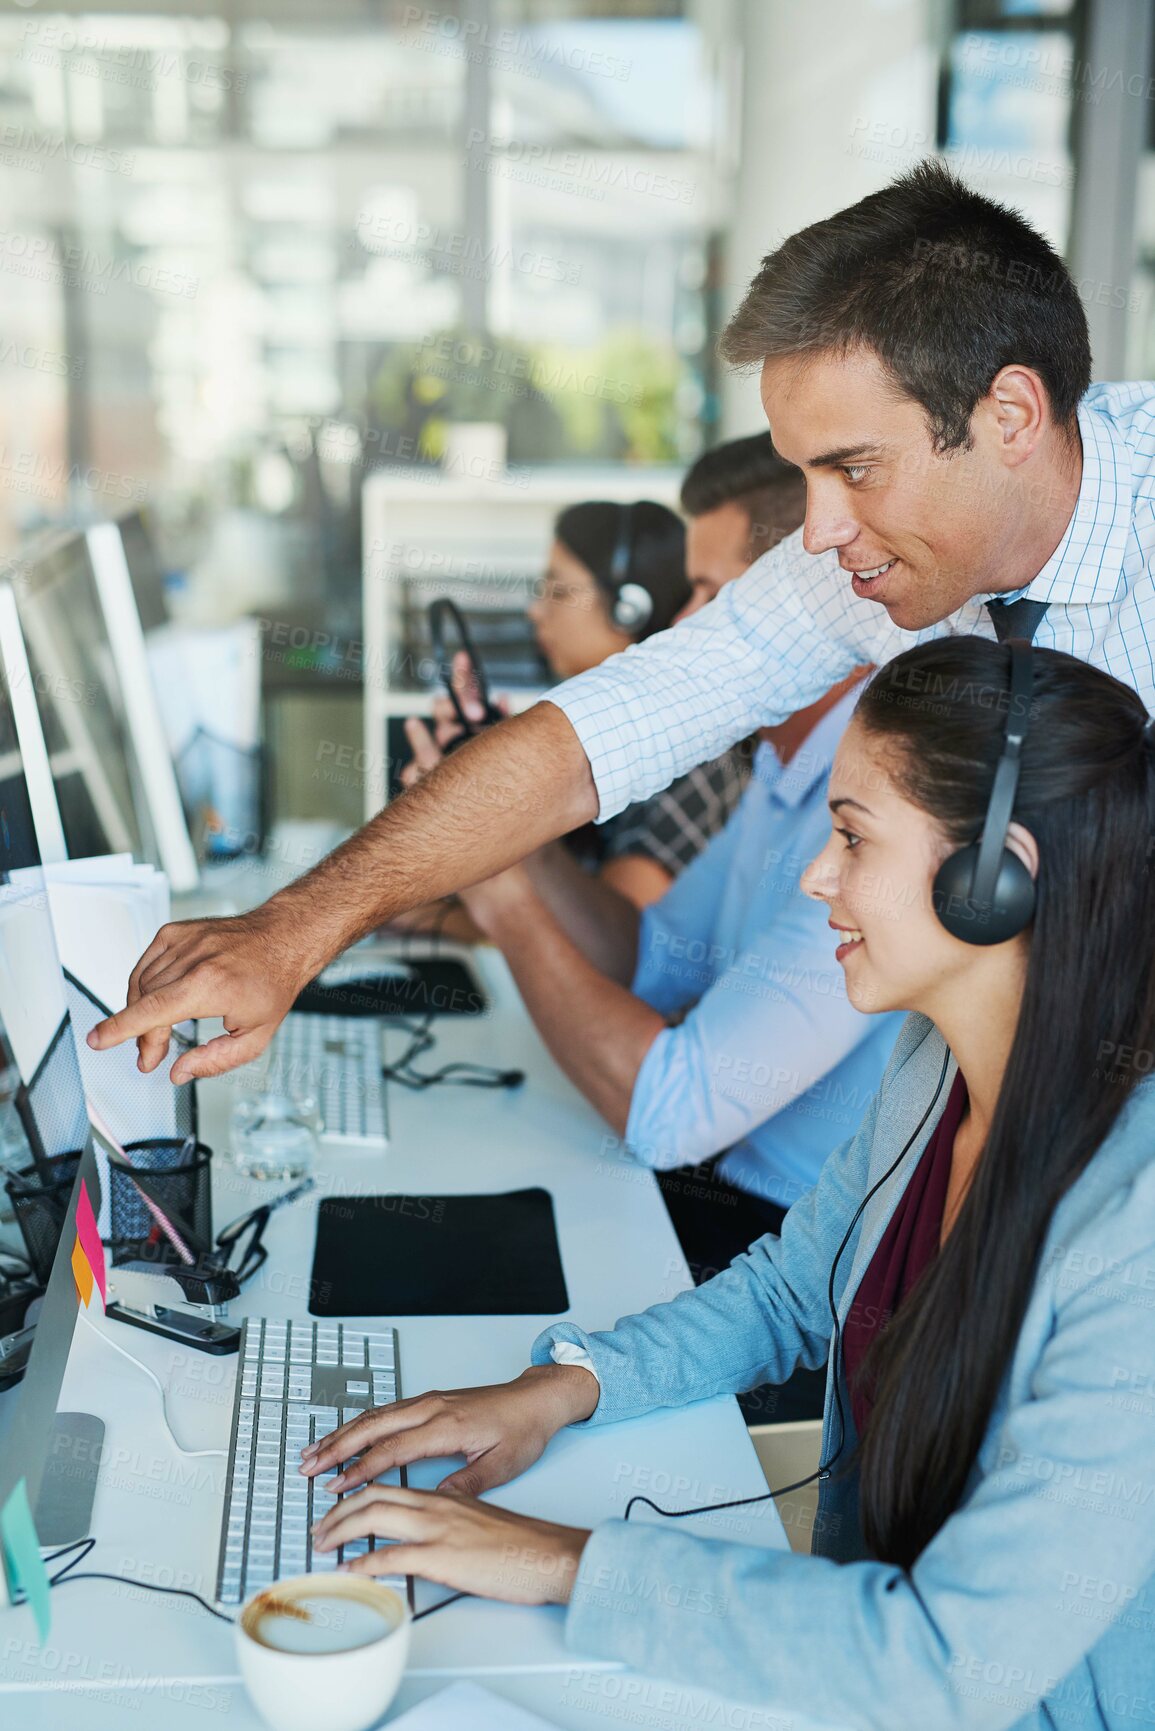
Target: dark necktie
x=1016 y=618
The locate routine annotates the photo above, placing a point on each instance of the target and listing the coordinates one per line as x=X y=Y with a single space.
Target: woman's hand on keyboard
x=458 y=1542
x=501 y=1430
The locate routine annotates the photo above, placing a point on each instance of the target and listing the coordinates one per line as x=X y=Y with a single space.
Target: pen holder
x=40 y=1201
x=180 y=1187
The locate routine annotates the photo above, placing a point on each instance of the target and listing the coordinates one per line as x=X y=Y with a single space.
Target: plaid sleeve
x=673 y=827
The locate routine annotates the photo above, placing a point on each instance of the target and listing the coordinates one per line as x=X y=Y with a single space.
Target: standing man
x=925 y=362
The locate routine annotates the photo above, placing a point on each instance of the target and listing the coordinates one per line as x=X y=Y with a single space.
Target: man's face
x=918 y=532
x=717 y=551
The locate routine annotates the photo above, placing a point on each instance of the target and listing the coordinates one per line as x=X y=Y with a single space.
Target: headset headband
x=1002 y=801
x=622 y=557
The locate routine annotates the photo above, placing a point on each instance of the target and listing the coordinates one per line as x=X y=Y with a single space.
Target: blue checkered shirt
x=788 y=630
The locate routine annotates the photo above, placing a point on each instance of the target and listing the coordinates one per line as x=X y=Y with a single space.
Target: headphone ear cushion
x=1012 y=906
x=633 y=606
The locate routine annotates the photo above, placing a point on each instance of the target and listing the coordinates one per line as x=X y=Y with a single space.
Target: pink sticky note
x=89 y=1236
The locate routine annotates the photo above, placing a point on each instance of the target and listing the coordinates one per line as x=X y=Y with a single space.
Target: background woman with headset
x=977 y=1265
x=616 y=574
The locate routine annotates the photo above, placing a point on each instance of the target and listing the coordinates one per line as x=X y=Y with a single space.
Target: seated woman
x=616 y=575
x=976 y=1267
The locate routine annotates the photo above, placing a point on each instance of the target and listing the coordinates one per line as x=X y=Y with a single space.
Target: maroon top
x=907 y=1248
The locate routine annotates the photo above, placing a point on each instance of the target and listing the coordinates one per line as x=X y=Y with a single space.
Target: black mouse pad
x=437 y=985
x=438 y=1256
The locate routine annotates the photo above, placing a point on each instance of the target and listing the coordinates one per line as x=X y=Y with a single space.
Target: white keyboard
x=338 y=1058
x=296 y=1381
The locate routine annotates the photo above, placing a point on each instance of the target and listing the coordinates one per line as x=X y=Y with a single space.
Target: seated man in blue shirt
x=715 y=1022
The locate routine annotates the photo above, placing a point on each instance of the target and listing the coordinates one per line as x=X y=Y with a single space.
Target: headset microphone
x=984 y=894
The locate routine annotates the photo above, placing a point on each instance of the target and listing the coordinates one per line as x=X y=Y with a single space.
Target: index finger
x=152 y=1013
x=425 y=1440
x=357 y=1433
x=154 y=952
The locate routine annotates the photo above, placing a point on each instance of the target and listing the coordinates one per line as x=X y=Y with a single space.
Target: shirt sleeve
x=773 y=641
x=753 y=1323
x=769 y=1027
x=667 y=975
x=565 y=1352
x=1050 y=1554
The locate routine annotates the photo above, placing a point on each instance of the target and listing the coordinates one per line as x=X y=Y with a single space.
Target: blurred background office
x=350 y=297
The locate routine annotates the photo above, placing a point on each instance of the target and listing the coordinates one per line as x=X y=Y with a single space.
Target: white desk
x=130 y=1657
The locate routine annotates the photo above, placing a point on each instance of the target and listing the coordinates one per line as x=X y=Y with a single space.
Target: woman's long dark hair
x=1087 y=795
x=655 y=541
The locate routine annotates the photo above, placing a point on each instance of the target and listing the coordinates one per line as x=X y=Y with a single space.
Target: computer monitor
x=144 y=569
x=71 y=668
x=17 y=824
x=83 y=695
x=109 y=547
x=43 y=809
x=56 y=1453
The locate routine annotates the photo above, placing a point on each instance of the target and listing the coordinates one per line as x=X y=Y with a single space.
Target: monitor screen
x=145 y=569
x=81 y=707
x=17 y=831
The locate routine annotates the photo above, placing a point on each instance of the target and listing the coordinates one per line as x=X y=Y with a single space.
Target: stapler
x=182 y=1302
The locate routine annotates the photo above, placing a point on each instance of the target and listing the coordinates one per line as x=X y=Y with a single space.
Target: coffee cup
x=323 y=1650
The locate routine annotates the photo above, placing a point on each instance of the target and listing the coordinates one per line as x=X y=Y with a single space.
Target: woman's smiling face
x=875 y=874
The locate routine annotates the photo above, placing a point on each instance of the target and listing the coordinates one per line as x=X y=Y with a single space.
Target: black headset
x=633 y=605
x=984 y=894
x=449 y=635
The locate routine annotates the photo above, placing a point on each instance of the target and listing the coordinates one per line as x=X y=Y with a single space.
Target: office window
x=1011 y=81
x=243 y=247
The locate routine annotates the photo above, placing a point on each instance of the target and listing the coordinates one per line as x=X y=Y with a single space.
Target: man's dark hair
x=748 y=472
x=944 y=285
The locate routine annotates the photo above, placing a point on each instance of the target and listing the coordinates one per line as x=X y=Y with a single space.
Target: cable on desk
x=84 y=1548
x=189 y=1454
x=440 y=1605
x=459 y=1074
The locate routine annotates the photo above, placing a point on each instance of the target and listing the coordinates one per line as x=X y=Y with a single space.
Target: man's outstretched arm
x=761 y=650
x=513 y=788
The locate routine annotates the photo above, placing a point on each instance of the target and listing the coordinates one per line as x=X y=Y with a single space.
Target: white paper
x=105 y=913
x=32 y=1003
x=468 y=1704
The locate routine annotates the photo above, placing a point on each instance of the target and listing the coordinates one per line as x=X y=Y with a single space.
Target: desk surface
x=158 y=1515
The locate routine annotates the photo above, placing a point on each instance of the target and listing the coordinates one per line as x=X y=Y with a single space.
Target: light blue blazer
x=1034 y=1605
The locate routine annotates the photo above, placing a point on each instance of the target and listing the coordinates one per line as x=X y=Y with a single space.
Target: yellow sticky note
x=81 y=1273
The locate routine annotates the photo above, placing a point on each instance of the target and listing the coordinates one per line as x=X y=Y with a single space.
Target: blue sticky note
x=22 y=1558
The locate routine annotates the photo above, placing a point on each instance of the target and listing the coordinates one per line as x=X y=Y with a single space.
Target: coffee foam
x=319 y=1617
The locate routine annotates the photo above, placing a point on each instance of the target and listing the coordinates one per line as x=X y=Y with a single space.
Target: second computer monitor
x=82 y=659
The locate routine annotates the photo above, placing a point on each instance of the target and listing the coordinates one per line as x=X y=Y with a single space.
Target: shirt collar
x=791 y=783
x=1087 y=565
